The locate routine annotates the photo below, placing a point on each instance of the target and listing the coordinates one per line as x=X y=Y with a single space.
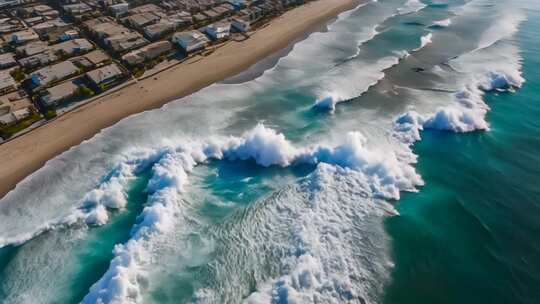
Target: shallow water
x=302 y=183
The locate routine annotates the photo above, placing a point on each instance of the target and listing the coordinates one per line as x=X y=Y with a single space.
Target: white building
x=219 y=31
x=190 y=41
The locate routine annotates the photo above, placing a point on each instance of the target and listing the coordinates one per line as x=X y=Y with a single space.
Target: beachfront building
x=105 y=76
x=241 y=25
x=52 y=73
x=218 y=31
x=190 y=41
x=12 y=118
x=147 y=53
x=54 y=96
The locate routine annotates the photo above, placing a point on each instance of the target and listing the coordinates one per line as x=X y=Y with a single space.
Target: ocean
x=390 y=157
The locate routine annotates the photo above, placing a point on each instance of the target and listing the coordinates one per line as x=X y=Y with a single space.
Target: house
x=211 y=14
x=76 y=9
x=38 y=60
x=24 y=36
x=158 y=30
x=9 y=25
x=97 y=57
x=181 y=19
x=219 y=31
x=32 y=48
x=119 y=9
x=51 y=26
x=7 y=83
x=252 y=14
x=105 y=75
x=148 y=52
x=147 y=8
x=13 y=117
x=34 y=20
x=7 y=60
x=200 y=18
x=125 y=41
x=141 y=20
x=53 y=73
x=53 y=96
x=68 y=35
x=190 y=41
x=72 y=47
x=241 y=25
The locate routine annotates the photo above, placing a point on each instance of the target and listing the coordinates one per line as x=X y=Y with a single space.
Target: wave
x=357 y=83
x=424 y=41
x=411 y=6
x=466 y=114
x=442 y=23
x=383 y=171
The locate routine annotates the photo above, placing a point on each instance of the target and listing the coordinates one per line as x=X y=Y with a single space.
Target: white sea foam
x=322 y=264
x=496 y=67
x=424 y=41
x=336 y=88
x=411 y=6
x=382 y=170
x=442 y=23
x=506 y=25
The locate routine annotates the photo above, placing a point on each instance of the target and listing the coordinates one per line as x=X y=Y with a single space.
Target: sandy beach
x=26 y=154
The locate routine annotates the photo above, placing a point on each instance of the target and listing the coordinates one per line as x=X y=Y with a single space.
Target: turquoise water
x=307 y=183
x=470 y=235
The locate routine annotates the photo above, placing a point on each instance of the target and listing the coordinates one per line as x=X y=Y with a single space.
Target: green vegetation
x=50 y=114
x=8 y=131
x=18 y=75
x=137 y=72
x=84 y=91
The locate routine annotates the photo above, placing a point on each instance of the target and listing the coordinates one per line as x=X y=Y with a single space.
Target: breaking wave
x=384 y=172
x=424 y=41
x=468 y=111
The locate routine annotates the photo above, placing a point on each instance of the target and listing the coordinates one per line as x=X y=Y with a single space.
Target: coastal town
x=58 y=55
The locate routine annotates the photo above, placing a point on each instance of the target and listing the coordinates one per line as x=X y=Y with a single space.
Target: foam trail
x=411 y=6
x=338 y=89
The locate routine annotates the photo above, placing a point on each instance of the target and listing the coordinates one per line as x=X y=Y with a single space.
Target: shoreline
x=27 y=153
